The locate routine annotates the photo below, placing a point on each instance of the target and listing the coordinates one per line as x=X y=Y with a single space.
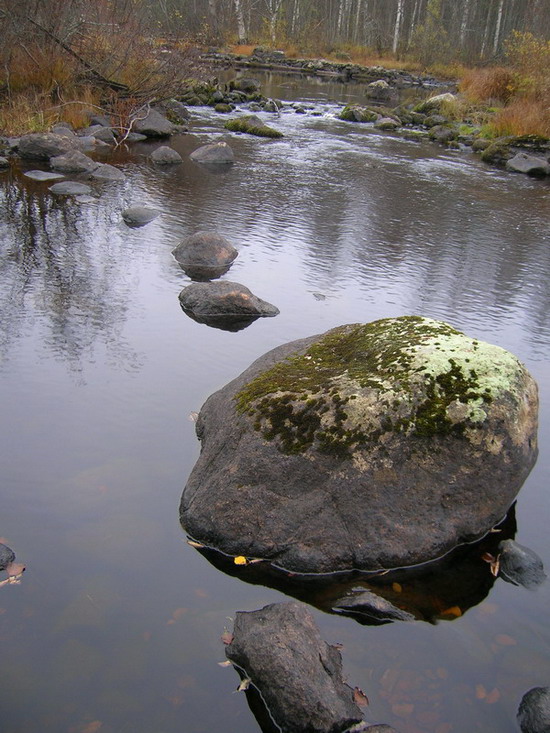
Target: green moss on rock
x=359 y=383
x=253 y=126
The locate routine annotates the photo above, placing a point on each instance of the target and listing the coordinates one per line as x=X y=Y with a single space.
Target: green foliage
x=430 y=41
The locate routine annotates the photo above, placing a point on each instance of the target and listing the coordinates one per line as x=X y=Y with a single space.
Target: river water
x=116 y=624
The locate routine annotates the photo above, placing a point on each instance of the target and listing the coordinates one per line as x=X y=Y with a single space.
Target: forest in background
x=56 y=53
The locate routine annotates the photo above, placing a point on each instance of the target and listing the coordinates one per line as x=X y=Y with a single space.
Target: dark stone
x=387 y=123
x=70 y=188
x=214 y=153
x=205 y=255
x=374 y=608
x=379 y=89
x=152 y=124
x=107 y=172
x=7 y=556
x=443 y=134
x=529 y=164
x=435 y=120
x=134 y=137
x=372 y=446
x=252 y=125
x=298 y=675
x=534 y=711
x=175 y=111
x=139 y=216
x=4 y=163
x=223 y=108
x=166 y=156
x=43 y=176
x=519 y=565
x=73 y=162
x=226 y=305
x=248 y=86
x=44 y=145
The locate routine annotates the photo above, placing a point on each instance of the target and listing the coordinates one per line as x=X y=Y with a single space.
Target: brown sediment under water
x=116 y=623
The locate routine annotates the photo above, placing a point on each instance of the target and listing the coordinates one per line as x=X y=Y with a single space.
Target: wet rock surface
x=166 y=156
x=519 y=565
x=153 y=123
x=7 y=556
x=214 y=153
x=534 y=711
x=226 y=305
x=73 y=162
x=298 y=675
x=205 y=255
x=139 y=216
x=70 y=188
x=43 y=146
x=371 y=446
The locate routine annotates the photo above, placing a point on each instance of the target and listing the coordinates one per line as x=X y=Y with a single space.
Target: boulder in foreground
x=371 y=446
x=298 y=675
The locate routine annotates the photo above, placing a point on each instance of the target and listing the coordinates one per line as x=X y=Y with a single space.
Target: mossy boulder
x=252 y=125
x=498 y=152
x=371 y=446
x=356 y=113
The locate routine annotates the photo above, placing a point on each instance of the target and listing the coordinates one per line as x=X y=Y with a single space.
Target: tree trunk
x=498 y=25
x=464 y=23
x=398 y=23
x=241 y=27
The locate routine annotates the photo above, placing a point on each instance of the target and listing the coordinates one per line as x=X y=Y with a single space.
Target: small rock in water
x=106 y=172
x=7 y=556
x=213 y=153
x=519 y=565
x=165 y=156
x=534 y=711
x=138 y=216
x=70 y=188
x=43 y=176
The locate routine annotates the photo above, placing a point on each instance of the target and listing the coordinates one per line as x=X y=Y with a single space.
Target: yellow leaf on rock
x=453 y=611
x=397 y=587
x=240 y=560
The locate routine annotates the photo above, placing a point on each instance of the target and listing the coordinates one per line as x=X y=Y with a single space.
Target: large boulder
x=44 y=145
x=532 y=165
x=370 y=446
x=534 y=711
x=205 y=255
x=297 y=674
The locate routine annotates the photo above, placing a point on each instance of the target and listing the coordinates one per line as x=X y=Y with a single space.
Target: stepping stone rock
x=70 y=188
x=106 y=172
x=73 y=162
x=43 y=176
x=213 y=153
x=166 y=156
x=139 y=216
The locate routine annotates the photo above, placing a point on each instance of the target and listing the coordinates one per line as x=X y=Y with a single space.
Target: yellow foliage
x=240 y=560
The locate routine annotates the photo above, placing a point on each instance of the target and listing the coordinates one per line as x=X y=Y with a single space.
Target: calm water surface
x=116 y=624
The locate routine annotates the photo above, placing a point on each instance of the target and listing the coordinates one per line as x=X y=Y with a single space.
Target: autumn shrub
x=521 y=117
x=493 y=84
x=529 y=56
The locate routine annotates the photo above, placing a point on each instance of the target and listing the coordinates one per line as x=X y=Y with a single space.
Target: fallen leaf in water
x=403 y=710
x=240 y=560
x=494 y=562
x=397 y=587
x=92 y=727
x=176 y=700
x=493 y=696
x=505 y=640
x=15 y=569
x=481 y=692
x=452 y=611
x=245 y=684
x=201 y=593
x=359 y=697
x=194 y=544
x=193 y=416
x=176 y=615
x=227 y=637
x=227 y=663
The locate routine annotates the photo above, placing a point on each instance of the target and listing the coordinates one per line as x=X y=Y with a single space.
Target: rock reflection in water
x=441 y=590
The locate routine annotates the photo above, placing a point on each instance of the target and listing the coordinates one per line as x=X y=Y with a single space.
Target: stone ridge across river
x=372 y=446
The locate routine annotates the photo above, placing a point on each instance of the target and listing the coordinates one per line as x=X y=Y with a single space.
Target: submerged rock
x=139 y=216
x=371 y=446
x=297 y=674
x=205 y=255
x=107 y=172
x=43 y=176
x=7 y=556
x=534 y=711
x=519 y=565
x=375 y=608
x=70 y=188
